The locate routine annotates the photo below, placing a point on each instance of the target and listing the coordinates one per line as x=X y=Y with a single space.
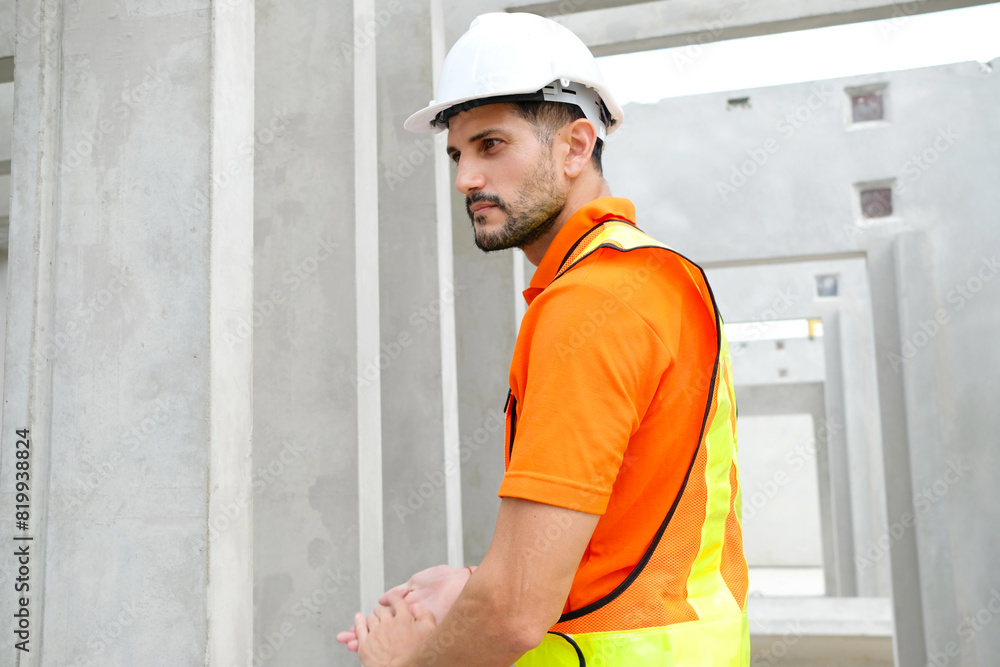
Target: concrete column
x=936 y=464
x=487 y=325
x=838 y=460
x=316 y=425
x=907 y=596
x=420 y=429
x=130 y=273
x=8 y=28
x=357 y=477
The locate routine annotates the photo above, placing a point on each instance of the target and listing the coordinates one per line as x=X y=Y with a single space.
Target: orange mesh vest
x=684 y=603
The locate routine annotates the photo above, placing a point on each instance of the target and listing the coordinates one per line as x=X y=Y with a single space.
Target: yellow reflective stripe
x=738 y=506
x=721 y=642
x=708 y=593
x=622 y=234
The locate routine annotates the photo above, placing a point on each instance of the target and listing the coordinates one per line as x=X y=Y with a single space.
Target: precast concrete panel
x=418 y=305
x=307 y=549
x=486 y=330
x=130 y=268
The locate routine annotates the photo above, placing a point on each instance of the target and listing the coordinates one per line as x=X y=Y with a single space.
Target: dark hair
x=550 y=117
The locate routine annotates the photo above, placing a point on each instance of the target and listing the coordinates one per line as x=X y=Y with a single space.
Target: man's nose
x=469 y=178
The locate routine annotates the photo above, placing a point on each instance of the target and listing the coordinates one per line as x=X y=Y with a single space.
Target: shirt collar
x=592 y=214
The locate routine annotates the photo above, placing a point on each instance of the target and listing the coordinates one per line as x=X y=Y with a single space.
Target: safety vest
x=642 y=622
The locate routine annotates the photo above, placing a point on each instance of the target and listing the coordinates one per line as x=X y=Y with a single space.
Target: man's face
x=513 y=192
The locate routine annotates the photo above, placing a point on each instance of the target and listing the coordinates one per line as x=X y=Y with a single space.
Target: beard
x=532 y=214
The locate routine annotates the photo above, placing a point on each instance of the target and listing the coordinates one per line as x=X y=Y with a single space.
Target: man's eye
x=490 y=143
x=455 y=156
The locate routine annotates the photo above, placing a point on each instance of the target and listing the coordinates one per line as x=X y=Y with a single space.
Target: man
x=618 y=539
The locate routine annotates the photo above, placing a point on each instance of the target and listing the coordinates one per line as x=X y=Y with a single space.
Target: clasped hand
x=406 y=615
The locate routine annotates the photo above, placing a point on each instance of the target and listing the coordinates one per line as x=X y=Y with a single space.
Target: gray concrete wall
x=486 y=330
x=420 y=419
x=779 y=180
x=307 y=561
x=7 y=28
x=357 y=421
x=754 y=294
x=130 y=263
x=486 y=326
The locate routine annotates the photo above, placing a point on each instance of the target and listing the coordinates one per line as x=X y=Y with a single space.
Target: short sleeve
x=585 y=371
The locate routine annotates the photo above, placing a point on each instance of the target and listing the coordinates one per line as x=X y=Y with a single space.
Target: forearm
x=479 y=630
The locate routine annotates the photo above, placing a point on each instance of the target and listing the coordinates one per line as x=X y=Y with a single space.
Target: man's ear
x=580 y=138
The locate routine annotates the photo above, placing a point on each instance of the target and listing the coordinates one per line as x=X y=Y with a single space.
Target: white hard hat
x=518 y=57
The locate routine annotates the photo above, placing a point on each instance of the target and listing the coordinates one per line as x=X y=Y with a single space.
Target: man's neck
x=578 y=198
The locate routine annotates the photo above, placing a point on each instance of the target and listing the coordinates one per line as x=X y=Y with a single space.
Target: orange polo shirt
x=608 y=387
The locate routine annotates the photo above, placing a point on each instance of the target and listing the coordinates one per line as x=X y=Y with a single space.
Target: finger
x=400 y=606
x=360 y=627
x=346 y=636
x=352 y=646
x=402 y=589
x=423 y=615
x=373 y=621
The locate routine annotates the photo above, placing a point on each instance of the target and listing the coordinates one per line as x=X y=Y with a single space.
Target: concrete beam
x=670 y=23
x=559 y=7
x=822 y=617
x=821 y=631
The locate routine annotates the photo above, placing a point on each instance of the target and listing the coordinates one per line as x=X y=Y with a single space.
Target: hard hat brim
x=422 y=122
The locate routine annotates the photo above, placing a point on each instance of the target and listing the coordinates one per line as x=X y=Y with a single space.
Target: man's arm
x=508 y=605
